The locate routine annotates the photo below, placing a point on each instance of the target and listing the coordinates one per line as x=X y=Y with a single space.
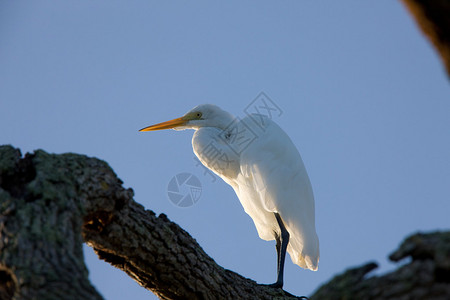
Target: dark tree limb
x=433 y=18
x=49 y=203
x=425 y=276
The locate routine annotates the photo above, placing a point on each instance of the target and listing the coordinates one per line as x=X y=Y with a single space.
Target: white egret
x=257 y=158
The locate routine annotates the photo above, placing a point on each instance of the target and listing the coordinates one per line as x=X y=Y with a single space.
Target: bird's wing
x=273 y=166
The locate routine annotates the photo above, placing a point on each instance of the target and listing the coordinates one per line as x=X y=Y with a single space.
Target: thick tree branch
x=432 y=16
x=41 y=255
x=47 y=202
x=426 y=276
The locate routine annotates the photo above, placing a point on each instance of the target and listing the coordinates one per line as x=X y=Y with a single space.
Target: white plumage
x=257 y=158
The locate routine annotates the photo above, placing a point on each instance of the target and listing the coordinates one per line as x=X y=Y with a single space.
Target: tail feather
x=306 y=257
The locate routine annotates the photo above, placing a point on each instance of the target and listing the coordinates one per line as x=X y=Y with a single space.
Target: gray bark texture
x=432 y=16
x=50 y=203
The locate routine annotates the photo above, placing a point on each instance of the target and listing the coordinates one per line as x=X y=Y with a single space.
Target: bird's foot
x=276 y=285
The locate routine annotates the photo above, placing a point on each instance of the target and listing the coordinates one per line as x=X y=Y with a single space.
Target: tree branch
x=41 y=255
x=49 y=202
x=425 y=276
x=432 y=16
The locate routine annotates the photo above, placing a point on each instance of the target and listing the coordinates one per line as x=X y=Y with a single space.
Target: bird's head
x=205 y=115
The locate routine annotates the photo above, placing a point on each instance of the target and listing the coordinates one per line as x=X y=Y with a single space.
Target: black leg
x=278 y=248
x=282 y=242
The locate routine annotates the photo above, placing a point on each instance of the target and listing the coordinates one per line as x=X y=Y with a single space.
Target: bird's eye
x=198 y=115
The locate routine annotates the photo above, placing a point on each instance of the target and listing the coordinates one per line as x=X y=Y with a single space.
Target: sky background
x=363 y=94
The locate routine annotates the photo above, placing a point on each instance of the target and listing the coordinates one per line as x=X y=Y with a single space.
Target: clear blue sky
x=363 y=94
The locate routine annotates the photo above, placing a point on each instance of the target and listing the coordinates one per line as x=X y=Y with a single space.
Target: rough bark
x=41 y=255
x=426 y=276
x=432 y=16
x=49 y=203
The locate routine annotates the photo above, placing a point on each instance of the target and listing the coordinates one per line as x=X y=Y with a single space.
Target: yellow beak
x=166 y=125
